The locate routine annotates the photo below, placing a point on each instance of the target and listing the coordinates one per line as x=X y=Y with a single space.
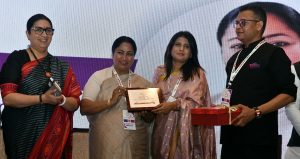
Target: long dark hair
x=192 y=65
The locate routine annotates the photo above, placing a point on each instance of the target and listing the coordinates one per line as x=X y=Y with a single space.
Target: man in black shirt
x=259 y=81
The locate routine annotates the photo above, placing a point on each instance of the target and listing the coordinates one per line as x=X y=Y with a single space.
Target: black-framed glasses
x=243 y=22
x=40 y=30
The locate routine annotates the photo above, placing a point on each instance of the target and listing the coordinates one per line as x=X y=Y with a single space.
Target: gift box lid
x=212 y=110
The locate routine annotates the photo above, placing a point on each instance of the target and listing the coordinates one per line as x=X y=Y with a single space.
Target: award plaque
x=140 y=99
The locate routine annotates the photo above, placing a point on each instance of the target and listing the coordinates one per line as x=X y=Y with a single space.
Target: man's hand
x=247 y=114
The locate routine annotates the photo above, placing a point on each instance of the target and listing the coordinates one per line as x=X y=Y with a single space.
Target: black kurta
x=265 y=75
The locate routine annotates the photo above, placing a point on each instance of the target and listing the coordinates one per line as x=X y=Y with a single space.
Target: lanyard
x=119 y=80
x=176 y=87
x=235 y=71
x=47 y=73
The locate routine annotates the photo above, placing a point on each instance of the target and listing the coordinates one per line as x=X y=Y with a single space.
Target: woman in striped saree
x=37 y=116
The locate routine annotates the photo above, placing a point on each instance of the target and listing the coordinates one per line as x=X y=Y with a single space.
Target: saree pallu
x=174 y=137
x=43 y=130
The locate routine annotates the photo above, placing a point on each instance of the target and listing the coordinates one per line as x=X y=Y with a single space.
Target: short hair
x=192 y=65
x=121 y=40
x=259 y=13
x=285 y=13
x=36 y=18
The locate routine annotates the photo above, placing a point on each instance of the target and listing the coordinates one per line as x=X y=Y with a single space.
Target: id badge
x=226 y=97
x=128 y=120
x=171 y=99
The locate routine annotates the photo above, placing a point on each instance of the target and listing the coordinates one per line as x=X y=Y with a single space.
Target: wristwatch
x=257 y=112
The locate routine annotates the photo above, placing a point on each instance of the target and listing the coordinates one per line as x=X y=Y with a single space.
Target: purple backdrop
x=83 y=67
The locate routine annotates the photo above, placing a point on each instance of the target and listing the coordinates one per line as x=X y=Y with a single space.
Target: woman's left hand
x=165 y=108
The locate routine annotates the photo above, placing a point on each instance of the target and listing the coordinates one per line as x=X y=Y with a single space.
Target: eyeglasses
x=40 y=30
x=243 y=22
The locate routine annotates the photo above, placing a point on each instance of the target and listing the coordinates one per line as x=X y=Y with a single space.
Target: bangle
x=41 y=99
x=64 y=101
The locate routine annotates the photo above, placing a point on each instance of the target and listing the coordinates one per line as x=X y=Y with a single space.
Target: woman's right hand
x=165 y=107
x=117 y=94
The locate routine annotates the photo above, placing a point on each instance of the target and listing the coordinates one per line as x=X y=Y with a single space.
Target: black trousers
x=230 y=151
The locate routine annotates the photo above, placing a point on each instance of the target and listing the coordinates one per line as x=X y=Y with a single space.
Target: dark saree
x=43 y=130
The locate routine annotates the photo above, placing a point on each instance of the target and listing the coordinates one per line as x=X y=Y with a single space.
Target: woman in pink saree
x=184 y=86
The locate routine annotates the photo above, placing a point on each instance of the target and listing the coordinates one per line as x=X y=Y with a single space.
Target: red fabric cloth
x=27 y=68
x=56 y=139
x=8 y=88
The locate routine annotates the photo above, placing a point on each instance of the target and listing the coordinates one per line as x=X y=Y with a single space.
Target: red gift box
x=214 y=115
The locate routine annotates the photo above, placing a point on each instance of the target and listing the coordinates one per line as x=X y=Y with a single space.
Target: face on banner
x=276 y=33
